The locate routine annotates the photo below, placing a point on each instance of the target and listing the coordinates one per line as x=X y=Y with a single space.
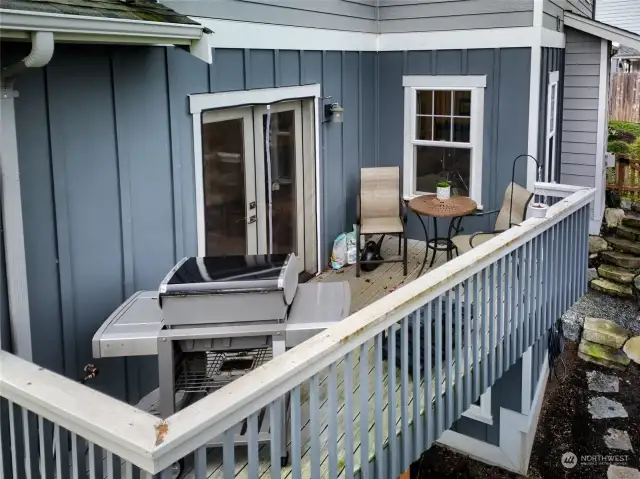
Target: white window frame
x=551 y=129
x=481 y=413
x=476 y=84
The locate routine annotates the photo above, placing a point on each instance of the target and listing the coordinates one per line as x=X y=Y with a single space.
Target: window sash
x=432 y=115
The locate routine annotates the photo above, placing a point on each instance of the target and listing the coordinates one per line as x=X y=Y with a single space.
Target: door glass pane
x=436 y=163
x=282 y=150
x=224 y=188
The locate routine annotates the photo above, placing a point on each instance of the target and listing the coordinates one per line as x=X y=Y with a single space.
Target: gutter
x=13 y=226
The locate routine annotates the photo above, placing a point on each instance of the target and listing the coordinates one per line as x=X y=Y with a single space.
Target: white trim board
x=445 y=81
x=602 y=130
x=517 y=432
x=235 y=99
x=236 y=34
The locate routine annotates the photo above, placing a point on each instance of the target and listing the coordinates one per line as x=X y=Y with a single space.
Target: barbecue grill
x=213 y=319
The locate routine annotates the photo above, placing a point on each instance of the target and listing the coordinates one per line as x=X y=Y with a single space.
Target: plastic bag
x=339 y=252
x=352 y=252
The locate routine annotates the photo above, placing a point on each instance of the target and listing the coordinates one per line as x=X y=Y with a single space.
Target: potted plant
x=443 y=190
x=537 y=210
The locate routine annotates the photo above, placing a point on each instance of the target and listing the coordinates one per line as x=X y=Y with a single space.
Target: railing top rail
x=154 y=445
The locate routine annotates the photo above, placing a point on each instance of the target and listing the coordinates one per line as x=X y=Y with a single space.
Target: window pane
x=462 y=103
x=425 y=103
x=462 y=130
x=442 y=129
x=442 y=103
x=423 y=127
x=436 y=163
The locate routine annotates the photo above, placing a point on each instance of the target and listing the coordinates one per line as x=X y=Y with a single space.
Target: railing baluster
x=13 y=442
x=515 y=302
x=391 y=394
x=492 y=323
x=429 y=426
x=128 y=467
x=556 y=274
x=228 y=453
x=529 y=296
x=574 y=243
x=523 y=319
x=415 y=378
x=548 y=298
x=92 y=460
x=585 y=256
x=42 y=448
x=314 y=413
x=275 y=428
x=476 y=337
x=26 y=438
x=348 y=415
x=404 y=390
x=536 y=280
x=508 y=312
x=200 y=463
x=252 y=446
x=500 y=305
x=332 y=439
x=448 y=333
x=438 y=383
x=467 y=343
x=296 y=431
x=364 y=410
x=485 y=329
x=459 y=353
x=379 y=374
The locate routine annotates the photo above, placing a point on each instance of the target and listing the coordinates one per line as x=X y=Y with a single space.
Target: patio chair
x=504 y=220
x=380 y=210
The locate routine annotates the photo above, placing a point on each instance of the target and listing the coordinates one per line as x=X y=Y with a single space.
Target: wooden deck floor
x=366 y=289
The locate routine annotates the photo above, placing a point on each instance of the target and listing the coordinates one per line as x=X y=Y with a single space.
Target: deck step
x=602 y=355
x=611 y=288
x=605 y=332
x=624 y=245
x=623 y=260
x=628 y=232
x=631 y=220
x=616 y=274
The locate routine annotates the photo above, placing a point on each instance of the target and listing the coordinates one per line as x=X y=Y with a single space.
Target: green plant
x=618 y=147
x=634 y=150
x=625 y=126
x=443 y=184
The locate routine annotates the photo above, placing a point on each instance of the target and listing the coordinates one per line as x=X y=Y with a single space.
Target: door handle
x=252 y=219
x=252 y=205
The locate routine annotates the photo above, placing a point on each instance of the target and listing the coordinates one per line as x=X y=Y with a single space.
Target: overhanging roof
x=602 y=30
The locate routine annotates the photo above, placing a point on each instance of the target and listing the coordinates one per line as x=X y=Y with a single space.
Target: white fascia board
x=445 y=81
x=69 y=25
x=602 y=30
x=233 y=34
x=262 y=96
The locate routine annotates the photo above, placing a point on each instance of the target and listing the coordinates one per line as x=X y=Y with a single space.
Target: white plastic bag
x=352 y=252
x=339 y=252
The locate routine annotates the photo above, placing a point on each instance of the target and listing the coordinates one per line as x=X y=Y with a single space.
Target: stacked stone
x=614 y=257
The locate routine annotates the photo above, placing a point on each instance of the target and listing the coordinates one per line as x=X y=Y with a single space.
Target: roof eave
x=602 y=30
x=14 y=24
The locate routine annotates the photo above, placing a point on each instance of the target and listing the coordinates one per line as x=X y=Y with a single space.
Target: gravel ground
x=625 y=312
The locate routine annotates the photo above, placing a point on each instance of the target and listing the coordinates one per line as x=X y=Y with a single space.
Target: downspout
x=42 y=45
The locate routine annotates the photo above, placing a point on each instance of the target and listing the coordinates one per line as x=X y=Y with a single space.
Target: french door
x=253 y=180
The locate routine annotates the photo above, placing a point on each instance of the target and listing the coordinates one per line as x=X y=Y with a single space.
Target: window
x=481 y=409
x=443 y=127
x=552 y=116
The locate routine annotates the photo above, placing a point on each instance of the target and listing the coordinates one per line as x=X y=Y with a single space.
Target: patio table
x=455 y=208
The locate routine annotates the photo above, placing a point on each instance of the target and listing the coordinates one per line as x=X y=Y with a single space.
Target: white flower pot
x=443 y=193
x=537 y=210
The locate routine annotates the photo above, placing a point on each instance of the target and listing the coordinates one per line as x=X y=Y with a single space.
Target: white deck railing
x=518 y=283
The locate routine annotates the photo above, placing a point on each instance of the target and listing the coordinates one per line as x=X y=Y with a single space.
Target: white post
x=15 y=258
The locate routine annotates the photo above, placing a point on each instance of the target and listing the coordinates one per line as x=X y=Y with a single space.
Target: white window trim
x=550 y=156
x=474 y=83
x=481 y=413
x=236 y=99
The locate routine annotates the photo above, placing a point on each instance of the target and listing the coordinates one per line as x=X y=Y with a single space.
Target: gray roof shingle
x=146 y=10
x=625 y=52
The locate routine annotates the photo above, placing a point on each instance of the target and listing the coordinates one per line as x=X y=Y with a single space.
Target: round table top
x=430 y=205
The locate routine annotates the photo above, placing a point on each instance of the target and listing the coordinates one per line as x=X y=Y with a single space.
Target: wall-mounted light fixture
x=333 y=113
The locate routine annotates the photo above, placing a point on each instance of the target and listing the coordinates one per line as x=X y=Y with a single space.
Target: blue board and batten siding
x=552 y=60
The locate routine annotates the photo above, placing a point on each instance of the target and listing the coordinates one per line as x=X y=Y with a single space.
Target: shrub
x=625 y=126
x=634 y=150
x=618 y=147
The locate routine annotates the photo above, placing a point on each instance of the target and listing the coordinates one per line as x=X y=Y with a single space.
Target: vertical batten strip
x=415 y=377
x=391 y=395
x=379 y=374
x=364 y=410
x=348 y=415
x=332 y=439
x=449 y=362
x=438 y=353
x=296 y=431
x=459 y=352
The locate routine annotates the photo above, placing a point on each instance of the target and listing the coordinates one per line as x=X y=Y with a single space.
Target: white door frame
x=208 y=101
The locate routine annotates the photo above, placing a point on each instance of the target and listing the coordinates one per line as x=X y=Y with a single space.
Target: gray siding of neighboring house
x=435 y=15
x=352 y=15
x=552 y=60
x=506 y=110
x=619 y=13
x=580 y=122
x=106 y=157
